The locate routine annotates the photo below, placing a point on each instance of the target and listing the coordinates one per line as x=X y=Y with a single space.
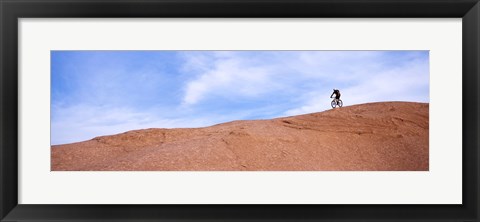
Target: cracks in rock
x=232 y=150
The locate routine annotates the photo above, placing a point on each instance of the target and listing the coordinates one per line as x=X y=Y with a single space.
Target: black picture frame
x=12 y=10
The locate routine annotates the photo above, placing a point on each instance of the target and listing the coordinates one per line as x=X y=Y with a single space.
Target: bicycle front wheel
x=334 y=104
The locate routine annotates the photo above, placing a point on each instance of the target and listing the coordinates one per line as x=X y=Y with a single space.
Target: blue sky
x=98 y=93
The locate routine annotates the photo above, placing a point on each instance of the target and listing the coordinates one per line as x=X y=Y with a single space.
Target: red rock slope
x=376 y=136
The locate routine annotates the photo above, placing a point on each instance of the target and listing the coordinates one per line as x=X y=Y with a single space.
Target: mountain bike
x=336 y=102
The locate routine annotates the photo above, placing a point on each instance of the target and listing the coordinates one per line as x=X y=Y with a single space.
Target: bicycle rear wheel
x=340 y=103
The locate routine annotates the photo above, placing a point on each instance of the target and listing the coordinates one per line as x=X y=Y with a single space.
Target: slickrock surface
x=375 y=136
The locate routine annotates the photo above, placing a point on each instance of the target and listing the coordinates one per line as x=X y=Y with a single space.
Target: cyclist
x=337 y=94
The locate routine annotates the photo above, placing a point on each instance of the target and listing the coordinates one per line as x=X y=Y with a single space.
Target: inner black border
x=12 y=10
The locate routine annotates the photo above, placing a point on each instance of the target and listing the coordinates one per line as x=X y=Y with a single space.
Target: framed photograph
x=239 y=110
x=225 y=110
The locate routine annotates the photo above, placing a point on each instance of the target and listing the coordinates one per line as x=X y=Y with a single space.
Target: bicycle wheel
x=340 y=103
x=334 y=104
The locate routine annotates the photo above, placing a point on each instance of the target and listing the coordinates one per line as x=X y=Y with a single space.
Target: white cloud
x=230 y=76
x=363 y=75
x=403 y=83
